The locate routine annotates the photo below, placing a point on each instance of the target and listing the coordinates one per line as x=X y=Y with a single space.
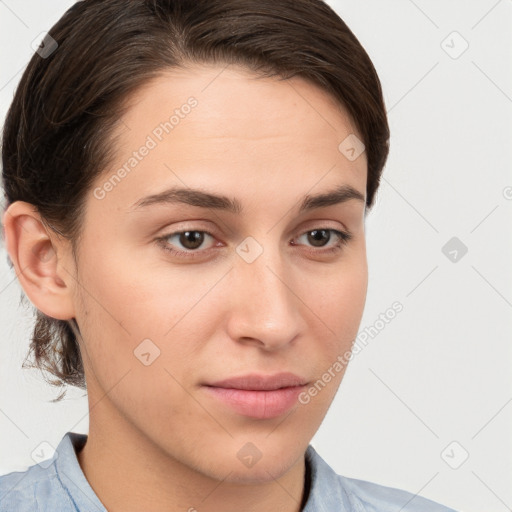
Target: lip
x=259 y=382
x=258 y=396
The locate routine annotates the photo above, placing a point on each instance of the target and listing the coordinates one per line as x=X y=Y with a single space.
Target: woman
x=187 y=185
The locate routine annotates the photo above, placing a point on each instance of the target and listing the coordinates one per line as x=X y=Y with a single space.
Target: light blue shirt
x=59 y=485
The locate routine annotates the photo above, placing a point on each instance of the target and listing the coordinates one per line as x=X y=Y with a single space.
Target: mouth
x=258 y=396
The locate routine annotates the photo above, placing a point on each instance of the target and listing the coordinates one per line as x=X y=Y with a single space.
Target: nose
x=265 y=302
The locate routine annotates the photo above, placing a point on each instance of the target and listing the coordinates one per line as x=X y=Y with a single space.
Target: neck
x=129 y=472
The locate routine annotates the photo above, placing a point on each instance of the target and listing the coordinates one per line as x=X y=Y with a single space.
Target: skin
x=157 y=441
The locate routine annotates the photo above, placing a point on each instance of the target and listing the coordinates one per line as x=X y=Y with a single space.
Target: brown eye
x=191 y=239
x=319 y=237
x=186 y=243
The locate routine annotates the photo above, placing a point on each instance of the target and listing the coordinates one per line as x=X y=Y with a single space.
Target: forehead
x=234 y=129
x=235 y=102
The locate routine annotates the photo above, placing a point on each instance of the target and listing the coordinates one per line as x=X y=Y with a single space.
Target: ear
x=42 y=263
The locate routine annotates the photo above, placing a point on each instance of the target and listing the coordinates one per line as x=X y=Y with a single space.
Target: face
x=177 y=295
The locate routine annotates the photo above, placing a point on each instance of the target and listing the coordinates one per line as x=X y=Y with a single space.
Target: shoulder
x=36 y=488
x=331 y=492
x=371 y=496
x=53 y=484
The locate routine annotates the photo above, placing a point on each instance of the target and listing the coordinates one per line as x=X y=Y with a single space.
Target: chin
x=254 y=463
x=261 y=473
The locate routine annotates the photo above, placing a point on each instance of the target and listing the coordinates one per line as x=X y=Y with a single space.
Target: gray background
x=434 y=385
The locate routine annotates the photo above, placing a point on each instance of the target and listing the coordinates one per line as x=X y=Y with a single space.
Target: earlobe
x=39 y=261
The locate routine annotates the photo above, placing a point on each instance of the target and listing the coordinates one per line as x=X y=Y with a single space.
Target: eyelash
x=344 y=238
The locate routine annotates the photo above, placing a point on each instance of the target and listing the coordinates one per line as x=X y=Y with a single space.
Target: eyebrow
x=201 y=199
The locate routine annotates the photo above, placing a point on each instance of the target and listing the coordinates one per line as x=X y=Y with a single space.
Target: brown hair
x=56 y=135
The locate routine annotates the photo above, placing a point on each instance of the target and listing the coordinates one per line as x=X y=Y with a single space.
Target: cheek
x=135 y=313
x=128 y=355
x=340 y=295
x=338 y=308
x=140 y=295
x=337 y=304
x=132 y=318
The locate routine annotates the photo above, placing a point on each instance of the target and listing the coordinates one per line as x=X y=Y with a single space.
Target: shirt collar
x=71 y=475
x=326 y=492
